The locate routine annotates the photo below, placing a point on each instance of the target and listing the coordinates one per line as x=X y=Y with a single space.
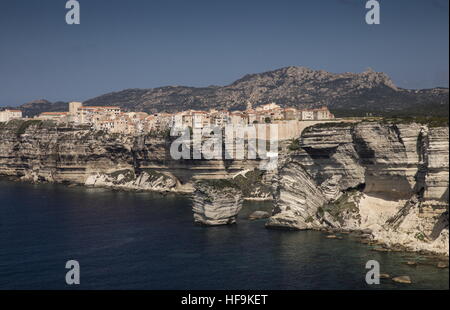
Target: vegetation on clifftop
x=250 y=182
x=428 y=121
x=329 y=125
x=246 y=184
x=219 y=184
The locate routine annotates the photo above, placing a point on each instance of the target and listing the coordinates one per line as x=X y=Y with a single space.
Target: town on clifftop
x=112 y=119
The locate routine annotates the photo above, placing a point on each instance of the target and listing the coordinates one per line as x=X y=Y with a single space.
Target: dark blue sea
x=128 y=240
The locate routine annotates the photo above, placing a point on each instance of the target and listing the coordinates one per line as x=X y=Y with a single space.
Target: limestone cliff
x=391 y=179
x=216 y=202
x=43 y=151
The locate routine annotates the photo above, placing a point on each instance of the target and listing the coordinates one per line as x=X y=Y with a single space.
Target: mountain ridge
x=300 y=87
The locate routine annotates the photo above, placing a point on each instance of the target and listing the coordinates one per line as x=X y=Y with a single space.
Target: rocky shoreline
x=412 y=258
x=391 y=179
x=366 y=237
x=387 y=178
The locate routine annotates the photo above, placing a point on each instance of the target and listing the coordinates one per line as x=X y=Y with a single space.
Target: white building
x=8 y=115
x=88 y=115
x=177 y=120
x=307 y=115
x=323 y=113
x=200 y=119
x=238 y=118
x=220 y=118
x=267 y=107
x=55 y=116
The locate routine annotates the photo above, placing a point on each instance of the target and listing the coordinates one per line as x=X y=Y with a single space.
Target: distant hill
x=350 y=94
x=38 y=106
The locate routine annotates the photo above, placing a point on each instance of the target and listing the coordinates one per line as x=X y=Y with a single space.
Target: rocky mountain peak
x=378 y=78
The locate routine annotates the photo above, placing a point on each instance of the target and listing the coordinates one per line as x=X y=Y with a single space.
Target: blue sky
x=151 y=43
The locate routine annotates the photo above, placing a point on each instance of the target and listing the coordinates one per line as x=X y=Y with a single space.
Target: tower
x=74 y=106
x=249 y=106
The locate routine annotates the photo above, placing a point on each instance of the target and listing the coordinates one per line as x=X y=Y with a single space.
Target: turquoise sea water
x=127 y=240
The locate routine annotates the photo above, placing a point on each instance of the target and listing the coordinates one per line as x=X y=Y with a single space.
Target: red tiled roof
x=98 y=107
x=54 y=113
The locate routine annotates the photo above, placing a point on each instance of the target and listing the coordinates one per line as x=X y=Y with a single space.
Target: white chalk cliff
x=390 y=179
x=216 y=202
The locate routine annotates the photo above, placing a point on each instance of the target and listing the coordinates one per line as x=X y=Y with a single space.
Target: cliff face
x=391 y=179
x=43 y=151
x=218 y=202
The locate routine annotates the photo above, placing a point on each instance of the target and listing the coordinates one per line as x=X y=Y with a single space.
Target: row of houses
x=269 y=113
x=114 y=120
x=110 y=118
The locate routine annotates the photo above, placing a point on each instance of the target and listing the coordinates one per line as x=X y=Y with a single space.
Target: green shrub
x=25 y=125
x=309 y=219
x=420 y=236
x=295 y=145
x=252 y=180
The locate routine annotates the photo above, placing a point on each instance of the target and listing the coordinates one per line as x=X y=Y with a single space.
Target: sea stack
x=216 y=202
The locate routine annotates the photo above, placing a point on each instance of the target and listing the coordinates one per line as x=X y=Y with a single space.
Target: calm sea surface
x=145 y=241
